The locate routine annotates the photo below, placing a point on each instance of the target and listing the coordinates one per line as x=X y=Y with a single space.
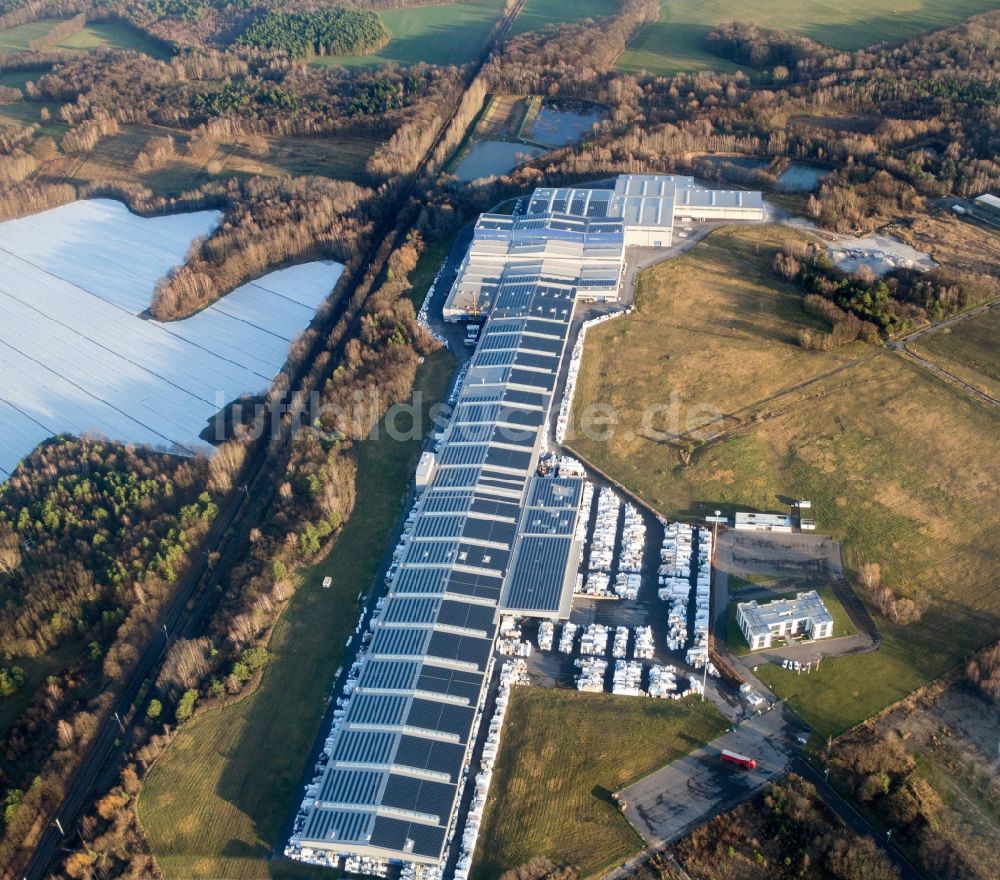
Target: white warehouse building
x=806 y=613
x=583 y=233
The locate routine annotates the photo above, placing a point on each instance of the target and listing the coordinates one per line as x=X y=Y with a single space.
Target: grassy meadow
x=92 y=36
x=452 y=33
x=968 y=350
x=536 y=14
x=898 y=464
x=115 y=35
x=215 y=801
x=562 y=755
x=676 y=42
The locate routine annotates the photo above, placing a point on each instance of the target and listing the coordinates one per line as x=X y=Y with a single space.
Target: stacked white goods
x=513 y=672
x=578 y=589
x=513 y=647
x=509 y=627
x=697 y=656
x=627 y=585
x=596 y=584
x=662 y=682
x=400 y=549
x=627 y=679
x=586 y=503
x=566 y=638
x=546 y=633
x=591 y=677
x=423 y=318
x=620 y=647
x=675 y=580
x=413 y=871
x=594 y=641
x=632 y=549
x=366 y=866
x=575 y=359
x=677 y=625
x=694 y=688
x=643 y=643
x=633 y=541
x=675 y=561
x=567 y=466
x=602 y=545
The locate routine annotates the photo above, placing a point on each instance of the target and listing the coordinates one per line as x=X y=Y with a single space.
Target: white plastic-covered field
x=75 y=357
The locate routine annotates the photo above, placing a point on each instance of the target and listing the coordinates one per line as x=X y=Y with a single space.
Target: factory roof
x=391 y=783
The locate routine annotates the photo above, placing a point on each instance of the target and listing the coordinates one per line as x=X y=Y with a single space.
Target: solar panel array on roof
x=400 y=750
x=487 y=528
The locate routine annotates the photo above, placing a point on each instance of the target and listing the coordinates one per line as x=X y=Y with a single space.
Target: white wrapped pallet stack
x=592 y=673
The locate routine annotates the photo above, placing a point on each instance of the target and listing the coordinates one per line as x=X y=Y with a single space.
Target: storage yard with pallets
x=639 y=625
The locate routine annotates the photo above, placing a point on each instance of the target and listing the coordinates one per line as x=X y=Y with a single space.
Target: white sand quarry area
x=75 y=357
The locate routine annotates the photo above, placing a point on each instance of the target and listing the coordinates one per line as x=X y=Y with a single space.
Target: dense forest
x=94 y=537
x=319 y=32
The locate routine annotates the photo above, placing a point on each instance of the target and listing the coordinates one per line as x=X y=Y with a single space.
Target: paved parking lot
x=781 y=554
x=672 y=801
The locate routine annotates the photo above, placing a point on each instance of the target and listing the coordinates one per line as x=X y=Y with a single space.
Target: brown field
x=958 y=245
x=113 y=159
x=969 y=350
x=898 y=464
x=951 y=732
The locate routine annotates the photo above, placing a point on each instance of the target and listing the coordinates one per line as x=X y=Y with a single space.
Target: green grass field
x=115 y=35
x=215 y=801
x=92 y=36
x=968 y=350
x=538 y=13
x=676 y=42
x=453 y=33
x=17 y=39
x=562 y=755
x=898 y=464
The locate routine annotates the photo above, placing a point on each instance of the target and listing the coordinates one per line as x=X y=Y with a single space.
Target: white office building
x=804 y=615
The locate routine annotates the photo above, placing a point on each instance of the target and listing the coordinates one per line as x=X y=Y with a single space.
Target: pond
x=801 y=178
x=557 y=126
x=748 y=163
x=489 y=158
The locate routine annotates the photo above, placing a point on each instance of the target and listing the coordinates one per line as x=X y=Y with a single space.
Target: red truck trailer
x=741 y=760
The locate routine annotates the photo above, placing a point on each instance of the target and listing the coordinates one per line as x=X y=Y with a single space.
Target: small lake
x=559 y=126
x=489 y=158
x=801 y=178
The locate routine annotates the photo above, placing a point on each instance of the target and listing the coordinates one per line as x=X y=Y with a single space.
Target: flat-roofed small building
x=805 y=614
x=987 y=207
x=763 y=522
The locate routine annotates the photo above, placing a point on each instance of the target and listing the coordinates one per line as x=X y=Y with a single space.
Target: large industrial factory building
x=490 y=534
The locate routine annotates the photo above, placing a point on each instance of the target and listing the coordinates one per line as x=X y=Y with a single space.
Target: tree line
x=94 y=537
